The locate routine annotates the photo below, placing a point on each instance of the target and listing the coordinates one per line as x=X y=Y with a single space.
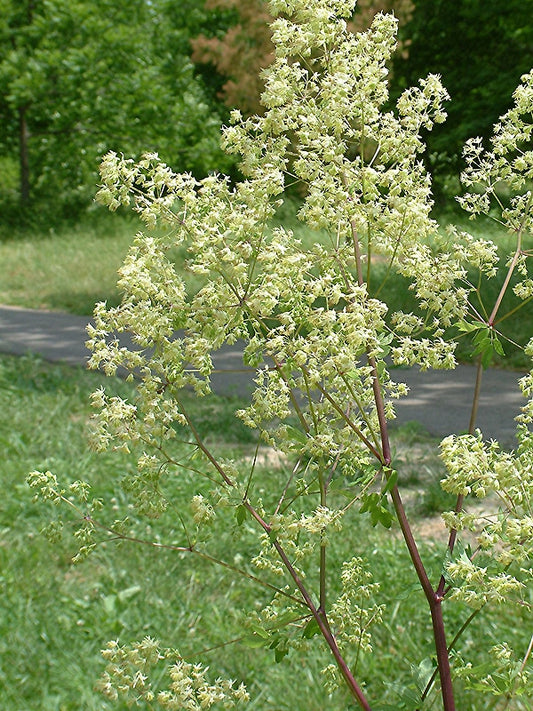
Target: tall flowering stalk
x=321 y=338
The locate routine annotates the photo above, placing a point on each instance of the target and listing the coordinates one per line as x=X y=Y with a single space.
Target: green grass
x=68 y=270
x=55 y=617
x=72 y=268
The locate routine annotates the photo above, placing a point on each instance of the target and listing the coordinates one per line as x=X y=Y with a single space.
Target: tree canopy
x=240 y=52
x=78 y=78
x=480 y=48
x=81 y=77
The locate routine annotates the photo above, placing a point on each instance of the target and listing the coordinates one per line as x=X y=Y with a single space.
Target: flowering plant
x=322 y=341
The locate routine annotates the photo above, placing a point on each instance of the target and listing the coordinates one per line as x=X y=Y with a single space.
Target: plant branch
x=202 y=446
x=360 y=407
x=323 y=625
x=434 y=601
x=513 y=311
x=188 y=549
x=318 y=614
x=514 y=262
x=323 y=561
x=352 y=425
x=460 y=498
x=293 y=399
x=236 y=640
x=286 y=487
x=452 y=644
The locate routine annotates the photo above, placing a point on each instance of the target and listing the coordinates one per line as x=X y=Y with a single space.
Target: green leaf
x=370 y=501
x=466 y=327
x=482 y=347
x=280 y=653
x=376 y=505
x=254 y=641
x=295 y=435
x=486 y=357
x=482 y=337
x=423 y=672
x=311 y=629
x=260 y=637
x=283 y=619
x=385 y=339
x=406 y=698
x=408 y=591
x=496 y=343
x=385 y=517
x=126 y=594
x=390 y=483
x=240 y=514
x=339 y=486
x=109 y=602
x=260 y=631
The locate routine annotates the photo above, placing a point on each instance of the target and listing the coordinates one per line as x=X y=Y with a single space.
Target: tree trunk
x=24 y=156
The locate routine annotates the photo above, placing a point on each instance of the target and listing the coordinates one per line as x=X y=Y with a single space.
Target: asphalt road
x=439 y=400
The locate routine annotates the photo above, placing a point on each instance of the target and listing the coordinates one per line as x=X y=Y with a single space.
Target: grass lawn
x=68 y=270
x=55 y=617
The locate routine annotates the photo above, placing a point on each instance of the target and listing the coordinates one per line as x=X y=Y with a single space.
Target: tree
x=480 y=48
x=366 y=10
x=241 y=52
x=80 y=77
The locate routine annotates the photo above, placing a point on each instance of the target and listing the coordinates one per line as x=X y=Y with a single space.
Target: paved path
x=439 y=400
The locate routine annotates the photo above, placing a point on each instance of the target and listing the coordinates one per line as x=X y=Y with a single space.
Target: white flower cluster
x=77 y=497
x=203 y=512
x=353 y=614
x=130 y=669
x=315 y=320
x=508 y=676
x=509 y=162
x=504 y=537
x=309 y=315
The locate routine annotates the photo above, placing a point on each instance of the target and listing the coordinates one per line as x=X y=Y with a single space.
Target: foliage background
x=480 y=48
x=79 y=78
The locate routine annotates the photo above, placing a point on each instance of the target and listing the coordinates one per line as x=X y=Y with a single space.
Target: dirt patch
x=268 y=458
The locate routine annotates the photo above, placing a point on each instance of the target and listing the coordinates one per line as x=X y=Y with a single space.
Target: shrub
x=319 y=336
